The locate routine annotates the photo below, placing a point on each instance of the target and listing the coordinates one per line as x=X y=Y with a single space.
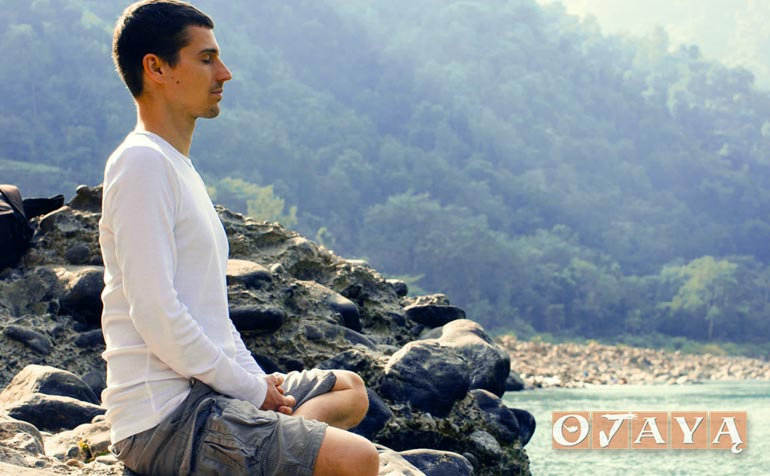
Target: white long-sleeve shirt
x=165 y=317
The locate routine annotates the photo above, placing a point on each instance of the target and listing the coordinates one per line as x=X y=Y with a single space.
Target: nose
x=224 y=74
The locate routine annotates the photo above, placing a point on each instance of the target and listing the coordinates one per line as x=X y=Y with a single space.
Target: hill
x=550 y=178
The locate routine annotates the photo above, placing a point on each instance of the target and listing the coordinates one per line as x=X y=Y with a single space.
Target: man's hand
x=274 y=400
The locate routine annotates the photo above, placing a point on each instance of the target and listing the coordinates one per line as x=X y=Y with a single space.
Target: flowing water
x=753 y=397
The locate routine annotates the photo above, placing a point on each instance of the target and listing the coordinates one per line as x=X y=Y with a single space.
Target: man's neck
x=155 y=118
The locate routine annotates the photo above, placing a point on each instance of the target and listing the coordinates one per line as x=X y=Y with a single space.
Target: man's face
x=197 y=80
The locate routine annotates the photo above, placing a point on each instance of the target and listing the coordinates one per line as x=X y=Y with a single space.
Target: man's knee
x=358 y=401
x=343 y=453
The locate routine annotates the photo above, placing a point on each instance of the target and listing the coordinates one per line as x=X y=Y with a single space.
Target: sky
x=735 y=32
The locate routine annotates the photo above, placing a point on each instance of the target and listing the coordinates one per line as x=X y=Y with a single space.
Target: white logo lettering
x=558 y=435
x=653 y=431
x=732 y=432
x=604 y=439
x=687 y=431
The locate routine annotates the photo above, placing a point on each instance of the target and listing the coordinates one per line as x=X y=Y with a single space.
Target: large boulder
x=426 y=376
x=52 y=412
x=438 y=463
x=489 y=363
x=47 y=380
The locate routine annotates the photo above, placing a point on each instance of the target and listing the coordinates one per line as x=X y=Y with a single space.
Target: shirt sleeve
x=243 y=354
x=141 y=199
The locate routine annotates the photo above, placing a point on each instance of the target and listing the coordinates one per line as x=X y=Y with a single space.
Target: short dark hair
x=152 y=26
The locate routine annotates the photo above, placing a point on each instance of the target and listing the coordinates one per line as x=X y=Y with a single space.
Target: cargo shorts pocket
x=231 y=438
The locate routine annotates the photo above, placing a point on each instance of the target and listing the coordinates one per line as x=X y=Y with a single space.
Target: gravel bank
x=571 y=365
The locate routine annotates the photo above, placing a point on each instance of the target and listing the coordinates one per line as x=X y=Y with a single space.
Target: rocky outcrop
x=433 y=377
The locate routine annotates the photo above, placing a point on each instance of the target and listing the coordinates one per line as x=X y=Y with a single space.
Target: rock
x=514 y=382
x=96 y=381
x=393 y=464
x=399 y=287
x=257 y=318
x=84 y=443
x=437 y=299
x=90 y=339
x=247 y=273
x=343 y=306
x=21 y=436
x=377 y=416
x=490 y=365
x=438 y=463
x=500 y=419
x=87 y=199
x=47 y=380
x=326 y=331
x=433 y=315
x=52 y=412
x=526 y=425
x=82 y=294
x=78 y=254
x=425 y=375
x=356 y=360
x=31 y=338
x=486 y=444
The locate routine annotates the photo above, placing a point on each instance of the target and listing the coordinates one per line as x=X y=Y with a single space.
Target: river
x=752 y=397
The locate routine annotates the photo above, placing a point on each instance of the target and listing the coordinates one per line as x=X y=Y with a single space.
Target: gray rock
x=343 y=306
x=355 y=360
x=83 y=443
x=257 y=318
x=438 y=463
x=424 y=374
x=33 y=339
x=87 y=199
x=399 y=287
x=377 y=416
x=20 y=436
x=247 y=273
x=96 y=381
x=329 y=332
x=47 y=380
x=514 y=382
x=433 y=315
x=52 y=412
x=90 y=339
x=78 y=254
x=486 y=444
x=393 y=464
x=82 y=294
x=526 y=425
x=490 y=365
x=500 y=420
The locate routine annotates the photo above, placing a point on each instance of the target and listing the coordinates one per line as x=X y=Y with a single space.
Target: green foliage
x=260 y=203
x=547 y=178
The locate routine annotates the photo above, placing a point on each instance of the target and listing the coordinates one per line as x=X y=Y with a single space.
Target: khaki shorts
x=211 y=434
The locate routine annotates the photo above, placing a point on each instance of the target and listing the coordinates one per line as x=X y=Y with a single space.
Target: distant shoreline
x=571 y=365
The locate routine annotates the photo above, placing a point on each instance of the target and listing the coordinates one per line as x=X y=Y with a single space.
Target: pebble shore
x=570 y=365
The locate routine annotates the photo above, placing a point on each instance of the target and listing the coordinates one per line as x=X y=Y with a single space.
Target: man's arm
x=141 y=197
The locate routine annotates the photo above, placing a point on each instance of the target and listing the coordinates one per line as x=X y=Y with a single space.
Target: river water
x=752 y=397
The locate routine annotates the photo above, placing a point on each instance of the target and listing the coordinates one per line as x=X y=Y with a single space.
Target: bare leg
x=344 y=407
x=346 y=454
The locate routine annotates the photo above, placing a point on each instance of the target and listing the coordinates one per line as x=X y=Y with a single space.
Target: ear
x=155 y=69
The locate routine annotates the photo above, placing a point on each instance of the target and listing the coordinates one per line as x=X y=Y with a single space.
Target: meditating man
x=184 y=395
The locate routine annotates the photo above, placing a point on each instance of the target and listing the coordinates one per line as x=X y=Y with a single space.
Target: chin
x=210 y=114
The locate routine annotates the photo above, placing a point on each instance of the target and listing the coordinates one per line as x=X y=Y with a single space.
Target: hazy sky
x=736 y=32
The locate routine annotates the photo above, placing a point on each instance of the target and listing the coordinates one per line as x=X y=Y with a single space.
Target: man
x=184 y=395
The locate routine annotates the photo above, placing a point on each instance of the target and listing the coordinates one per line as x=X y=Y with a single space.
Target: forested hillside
x=547 y=178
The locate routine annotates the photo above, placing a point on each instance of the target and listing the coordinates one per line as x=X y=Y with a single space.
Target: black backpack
x=15 y=230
